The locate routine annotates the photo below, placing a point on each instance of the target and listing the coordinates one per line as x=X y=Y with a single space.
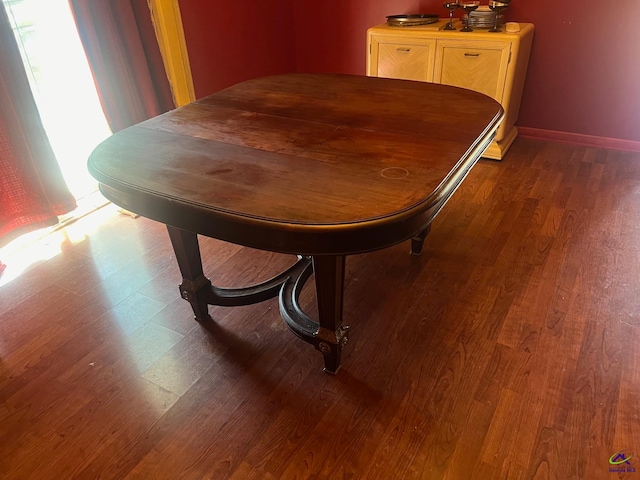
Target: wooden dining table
x=317 y=165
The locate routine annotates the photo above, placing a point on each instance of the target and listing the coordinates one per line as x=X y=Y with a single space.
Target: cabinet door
x=480 y=66
x=407 y=59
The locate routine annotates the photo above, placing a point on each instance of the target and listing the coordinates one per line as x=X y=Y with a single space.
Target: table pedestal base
x=328 y=335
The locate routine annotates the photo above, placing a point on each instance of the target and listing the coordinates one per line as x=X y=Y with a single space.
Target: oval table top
x=301 y=163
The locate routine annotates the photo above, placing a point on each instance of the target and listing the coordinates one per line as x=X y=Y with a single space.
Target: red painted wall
x=584 y=71
x=234 y=40
x=331 y=34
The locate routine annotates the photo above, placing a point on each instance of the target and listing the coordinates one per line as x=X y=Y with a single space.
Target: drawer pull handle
x=471 y=54
x=403 y=49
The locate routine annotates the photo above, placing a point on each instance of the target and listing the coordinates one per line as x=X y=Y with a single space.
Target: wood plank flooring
x=509 y=350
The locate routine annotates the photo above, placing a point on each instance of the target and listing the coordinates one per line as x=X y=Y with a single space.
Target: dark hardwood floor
x=509 y=349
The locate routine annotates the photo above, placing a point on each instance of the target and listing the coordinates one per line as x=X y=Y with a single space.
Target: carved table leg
x=332 y=335
x=195 y=286
x=417 y=242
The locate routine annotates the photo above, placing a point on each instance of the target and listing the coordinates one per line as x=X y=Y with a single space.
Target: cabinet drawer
x=479 y=66
x=402 y=59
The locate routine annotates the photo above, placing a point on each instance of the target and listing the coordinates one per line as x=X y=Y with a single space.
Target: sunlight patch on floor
x=44 y=244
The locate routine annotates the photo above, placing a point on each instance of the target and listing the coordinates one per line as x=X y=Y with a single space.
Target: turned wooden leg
x=417 y=242
x=195 y=286
x=332 y=335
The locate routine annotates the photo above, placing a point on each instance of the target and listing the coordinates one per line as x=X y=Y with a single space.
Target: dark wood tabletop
x=326 y=160
x=317 y=165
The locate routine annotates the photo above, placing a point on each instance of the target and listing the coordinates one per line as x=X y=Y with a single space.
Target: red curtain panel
x=124 y=56
x=32 y=190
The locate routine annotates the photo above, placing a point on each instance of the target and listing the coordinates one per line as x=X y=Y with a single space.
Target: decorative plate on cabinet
x=409 y=20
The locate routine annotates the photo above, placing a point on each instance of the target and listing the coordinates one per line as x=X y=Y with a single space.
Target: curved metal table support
x=328 y=335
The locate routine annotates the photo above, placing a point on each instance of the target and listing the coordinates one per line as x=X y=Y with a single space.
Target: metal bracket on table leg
x=195 y=292
x=331 y=345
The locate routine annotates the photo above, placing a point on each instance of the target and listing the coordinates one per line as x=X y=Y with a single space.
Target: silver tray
x=411 y=20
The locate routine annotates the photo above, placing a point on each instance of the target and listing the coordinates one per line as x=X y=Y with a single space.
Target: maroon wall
x=583 y=76
x=584 y=73
x=331 y=34
x=233 y=40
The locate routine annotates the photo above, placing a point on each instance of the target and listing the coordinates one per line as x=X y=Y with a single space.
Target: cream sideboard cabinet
x=491 y=63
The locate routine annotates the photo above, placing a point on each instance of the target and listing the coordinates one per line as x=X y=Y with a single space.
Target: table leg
x=195 y=286
x=332 y=335
x=417 y=242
